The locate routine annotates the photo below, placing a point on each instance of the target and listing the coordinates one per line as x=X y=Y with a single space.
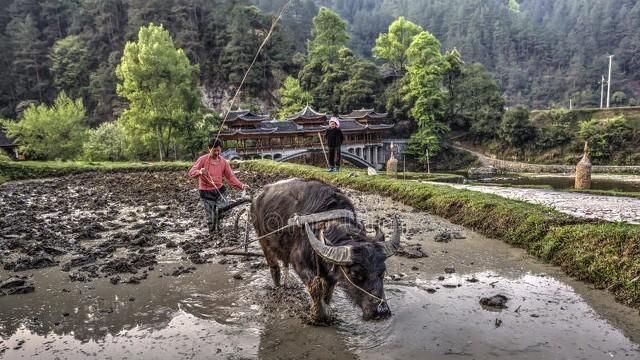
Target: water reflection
x=566 y=182
x=545 y=319
x=209 y=314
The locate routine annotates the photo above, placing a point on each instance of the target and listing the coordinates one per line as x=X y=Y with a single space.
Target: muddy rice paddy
x=120 y=266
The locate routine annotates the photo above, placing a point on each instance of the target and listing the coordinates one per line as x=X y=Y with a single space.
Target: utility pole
x=602 y=92
x=428 y=166
x=609 y=80
x=570 y=104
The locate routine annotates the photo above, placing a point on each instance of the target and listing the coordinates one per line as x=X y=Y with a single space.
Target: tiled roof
x=346 y=124
x=307 y=113
x=281 y=125
x=357 y=114
x=4 y=140
x=260 y=131
x=245 y=115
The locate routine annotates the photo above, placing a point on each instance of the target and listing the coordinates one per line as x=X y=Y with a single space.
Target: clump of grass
x=605 y=254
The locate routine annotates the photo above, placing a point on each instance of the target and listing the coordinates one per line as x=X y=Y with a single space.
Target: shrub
x=606 y=136
x=4 y=156
x=516 y=128
x=106 y=143
x=50 y=133
x=554 y=135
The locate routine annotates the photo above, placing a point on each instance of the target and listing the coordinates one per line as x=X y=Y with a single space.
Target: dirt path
x=609 y=208
x=226 y=308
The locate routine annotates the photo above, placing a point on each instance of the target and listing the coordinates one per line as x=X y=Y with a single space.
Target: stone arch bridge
x=360 y=155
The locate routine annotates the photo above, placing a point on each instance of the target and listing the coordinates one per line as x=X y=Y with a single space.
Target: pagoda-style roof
x=365 y=115
x=349 y=125
x=245 y=115
x=307 y=116
x=4 y=140
x=250 y=132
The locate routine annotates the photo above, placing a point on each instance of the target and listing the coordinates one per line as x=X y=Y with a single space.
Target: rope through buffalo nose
x=380 y=300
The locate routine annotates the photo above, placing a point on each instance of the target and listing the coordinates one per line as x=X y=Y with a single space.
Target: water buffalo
x=325 y=253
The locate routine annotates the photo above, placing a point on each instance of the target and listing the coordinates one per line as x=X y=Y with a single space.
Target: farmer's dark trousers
x=213 y=201
x=334 y=156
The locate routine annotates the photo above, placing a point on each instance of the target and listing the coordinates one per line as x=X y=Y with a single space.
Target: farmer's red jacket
x=215 y=173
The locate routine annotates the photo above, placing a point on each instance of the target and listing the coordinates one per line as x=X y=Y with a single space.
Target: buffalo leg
x=286 y=278
x=272 y=261
x=319 y=308
x=328 y=291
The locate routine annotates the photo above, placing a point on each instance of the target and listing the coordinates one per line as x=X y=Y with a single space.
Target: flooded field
x=623 y=183
x=121 y=267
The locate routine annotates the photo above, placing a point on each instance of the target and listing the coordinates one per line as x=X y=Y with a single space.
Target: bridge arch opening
x=349 y=157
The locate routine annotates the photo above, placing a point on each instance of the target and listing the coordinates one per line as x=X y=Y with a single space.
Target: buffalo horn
x=390 y=247
x=340 y=255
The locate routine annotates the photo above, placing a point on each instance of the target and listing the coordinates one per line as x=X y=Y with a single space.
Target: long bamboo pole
x=323 y=151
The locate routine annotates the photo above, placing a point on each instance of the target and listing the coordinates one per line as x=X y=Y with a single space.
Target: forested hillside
x=541 y=52
x=75 y=45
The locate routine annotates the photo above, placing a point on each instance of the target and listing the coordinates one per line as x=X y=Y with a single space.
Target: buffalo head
x=362 y=260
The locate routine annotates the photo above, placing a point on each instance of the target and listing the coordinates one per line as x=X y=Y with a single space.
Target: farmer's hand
x=245 y=186
x=203 y=171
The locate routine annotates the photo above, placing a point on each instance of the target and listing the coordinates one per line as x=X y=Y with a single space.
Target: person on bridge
x=210 y=169
x=334 y=142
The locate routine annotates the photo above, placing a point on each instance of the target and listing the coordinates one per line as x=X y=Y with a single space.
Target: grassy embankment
x=11 y=170
x=605 y=254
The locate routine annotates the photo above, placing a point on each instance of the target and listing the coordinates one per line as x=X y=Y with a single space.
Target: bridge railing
x=257 y=149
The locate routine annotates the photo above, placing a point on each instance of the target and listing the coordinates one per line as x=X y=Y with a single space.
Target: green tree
x=425 y=73
x=514 y=6
x=29 y=59
x=329 y=35
x=161 y=87
x=474 y=102
x=49 y=133
x=516 y=128
x=326 y=68
x=292 y=98
x=106 y=143
x=606 y=137
x=69 y=64
x=361 y=86
x=392 y=47
x=619 y=98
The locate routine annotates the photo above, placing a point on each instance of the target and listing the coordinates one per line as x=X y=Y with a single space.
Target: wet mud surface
x=120 y=266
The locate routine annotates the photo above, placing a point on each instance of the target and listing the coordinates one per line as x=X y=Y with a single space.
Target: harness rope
x=380 y=300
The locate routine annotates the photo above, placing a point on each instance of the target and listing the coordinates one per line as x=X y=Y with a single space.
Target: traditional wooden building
x=8 y=146
x=252 y=135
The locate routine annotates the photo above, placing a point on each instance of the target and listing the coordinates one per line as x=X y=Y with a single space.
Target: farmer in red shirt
x=210 y=169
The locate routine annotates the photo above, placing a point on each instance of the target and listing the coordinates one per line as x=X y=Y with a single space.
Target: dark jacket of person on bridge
x=334 y=142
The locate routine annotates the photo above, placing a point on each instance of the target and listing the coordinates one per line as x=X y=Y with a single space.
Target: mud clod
x=413 y=251
x=496 y=302
x=29 y=263
x=16 y=285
